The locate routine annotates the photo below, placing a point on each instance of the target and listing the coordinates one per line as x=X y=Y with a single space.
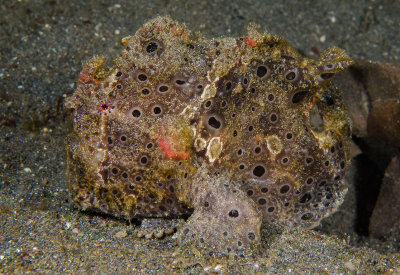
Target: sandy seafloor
x=43 y=44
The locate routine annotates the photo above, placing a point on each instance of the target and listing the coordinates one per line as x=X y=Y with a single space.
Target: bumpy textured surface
x=230 y=131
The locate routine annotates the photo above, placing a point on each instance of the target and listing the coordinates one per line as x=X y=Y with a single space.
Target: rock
x=371 y=93
x=385 y=219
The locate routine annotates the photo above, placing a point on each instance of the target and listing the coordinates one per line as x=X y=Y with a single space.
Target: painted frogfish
x=226 y=132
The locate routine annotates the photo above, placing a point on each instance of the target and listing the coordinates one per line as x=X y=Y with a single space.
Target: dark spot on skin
x=228 y=86
x=326 y=76
x=306 y=216
x=136 y=113
x=262 y=201
x=145 y=91
x=213 y=122
x=259 y=171
x=251 y=236
x=142 y=77
x=305 y=198
x=328 y=100
x=143 y=160
x=163 y=89
x=157 y=110
x=233 y=213
x=284 y=189
x=290 y=76
x=151 y=47
x=261 y=71
x=299 y=96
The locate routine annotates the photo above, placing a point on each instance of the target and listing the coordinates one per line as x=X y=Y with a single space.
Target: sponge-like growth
x=232 y=131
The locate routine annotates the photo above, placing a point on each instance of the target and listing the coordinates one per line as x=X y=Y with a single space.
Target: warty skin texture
x=231 y=132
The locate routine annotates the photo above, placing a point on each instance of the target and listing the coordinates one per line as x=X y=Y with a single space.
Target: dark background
x=42 y=47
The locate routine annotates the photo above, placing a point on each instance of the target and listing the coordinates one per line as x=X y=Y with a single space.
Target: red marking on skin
x=169 y=152
x=174 y=30
x=210 y=54
x=250 y=42
x=105 y=107
x=310 y=105
x=83 y=77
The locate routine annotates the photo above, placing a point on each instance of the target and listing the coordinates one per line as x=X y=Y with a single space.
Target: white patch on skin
x=189 y=111
x=274 y=144
x=214 y=149
x=206 y=93
x=200 y=144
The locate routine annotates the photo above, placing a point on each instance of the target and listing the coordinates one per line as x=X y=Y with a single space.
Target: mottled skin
x=232 y=132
